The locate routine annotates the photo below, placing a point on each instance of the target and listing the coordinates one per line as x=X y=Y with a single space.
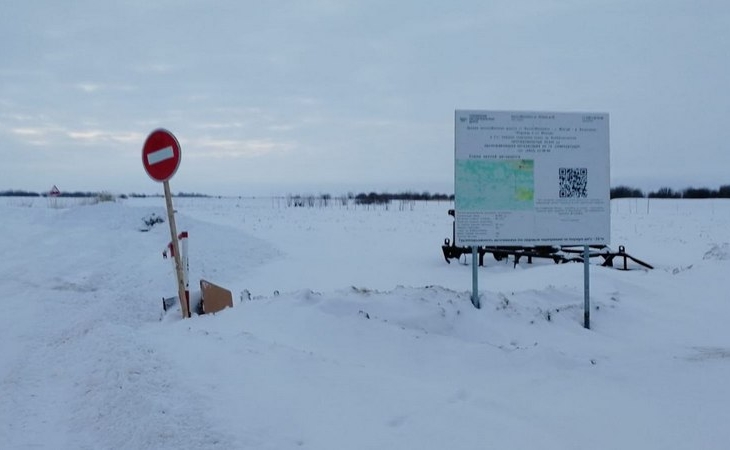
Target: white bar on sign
x=160 y=155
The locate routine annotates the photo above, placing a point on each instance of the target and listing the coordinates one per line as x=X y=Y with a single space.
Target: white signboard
x=532 y=178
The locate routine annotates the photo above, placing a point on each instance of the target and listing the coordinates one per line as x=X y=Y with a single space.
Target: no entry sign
x=161 y=155
x=161 y=158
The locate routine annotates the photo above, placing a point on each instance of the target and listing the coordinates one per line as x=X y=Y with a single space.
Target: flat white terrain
x=350 y=331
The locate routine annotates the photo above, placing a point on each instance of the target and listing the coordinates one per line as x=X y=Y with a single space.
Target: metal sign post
x=474 y=278
x=586 y=288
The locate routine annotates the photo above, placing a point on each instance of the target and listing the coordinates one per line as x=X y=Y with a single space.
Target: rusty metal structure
x=561 y=254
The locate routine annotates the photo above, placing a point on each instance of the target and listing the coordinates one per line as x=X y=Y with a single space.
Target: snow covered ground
x=357 y=334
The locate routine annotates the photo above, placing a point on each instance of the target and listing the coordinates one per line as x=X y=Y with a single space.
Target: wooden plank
x=214 y=298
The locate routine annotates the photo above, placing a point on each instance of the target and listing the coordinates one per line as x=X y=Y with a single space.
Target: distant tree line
x=666 y=192
x=192 y=194
x=79 y=194
x=374 y=198
x=309 y=201
x=17 y=193
x=179 y=194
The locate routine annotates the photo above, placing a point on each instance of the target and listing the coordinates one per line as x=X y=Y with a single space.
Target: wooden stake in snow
x=181 y=291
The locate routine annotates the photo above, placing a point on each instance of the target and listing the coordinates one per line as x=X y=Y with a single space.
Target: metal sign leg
x=586 y=288
x=474 y=278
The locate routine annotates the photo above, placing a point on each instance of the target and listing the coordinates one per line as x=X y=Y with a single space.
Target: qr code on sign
x=573 y=182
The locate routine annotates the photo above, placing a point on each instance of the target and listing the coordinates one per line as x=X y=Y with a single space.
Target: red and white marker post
x=161 y=158
x=183 y=238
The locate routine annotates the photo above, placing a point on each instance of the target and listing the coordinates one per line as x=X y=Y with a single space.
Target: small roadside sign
x=161 y=158
x=161 y=155
x=55 y=192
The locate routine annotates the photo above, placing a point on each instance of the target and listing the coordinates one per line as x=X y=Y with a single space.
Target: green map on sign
x=495 y=185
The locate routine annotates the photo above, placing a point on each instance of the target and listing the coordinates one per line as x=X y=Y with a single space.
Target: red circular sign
x=161 y=155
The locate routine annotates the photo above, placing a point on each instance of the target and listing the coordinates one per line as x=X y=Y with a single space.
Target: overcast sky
x=338 y=95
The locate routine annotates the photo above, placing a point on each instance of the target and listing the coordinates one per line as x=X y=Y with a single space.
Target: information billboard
x=531 y=178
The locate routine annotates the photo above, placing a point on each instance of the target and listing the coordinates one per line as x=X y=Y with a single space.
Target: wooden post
x=184 y=301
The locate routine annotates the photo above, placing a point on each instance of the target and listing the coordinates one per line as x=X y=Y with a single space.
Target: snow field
x=357 y=333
